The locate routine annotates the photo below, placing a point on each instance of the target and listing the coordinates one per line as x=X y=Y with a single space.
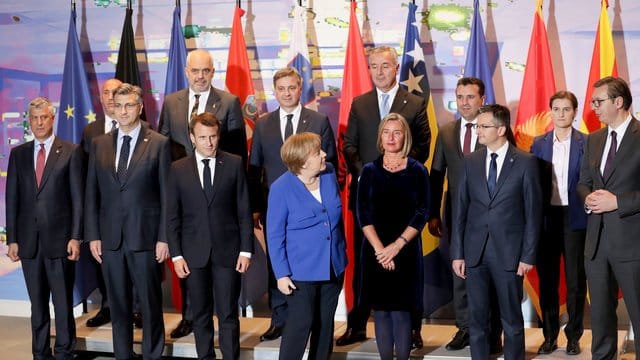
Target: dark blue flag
x=176 y=79
x=477 y=63
x=76 y=111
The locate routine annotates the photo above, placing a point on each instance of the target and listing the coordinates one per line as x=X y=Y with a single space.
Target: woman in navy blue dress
x=393 y=198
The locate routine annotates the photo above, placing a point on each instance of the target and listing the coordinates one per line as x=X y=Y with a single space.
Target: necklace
x=392 y=165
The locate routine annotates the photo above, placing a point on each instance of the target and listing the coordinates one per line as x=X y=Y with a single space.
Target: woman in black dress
x=393 y=198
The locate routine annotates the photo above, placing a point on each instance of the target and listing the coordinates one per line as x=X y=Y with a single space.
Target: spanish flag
x=538 y=86
x=603 y=63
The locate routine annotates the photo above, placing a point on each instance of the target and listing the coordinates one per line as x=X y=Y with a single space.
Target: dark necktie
x=114 y=124
x=288 y=129
x=40 y=158
x=206 y=179
x=124 y=158
x=466 y=147
x=493 y=174
x=611 y=156
x=194 y=109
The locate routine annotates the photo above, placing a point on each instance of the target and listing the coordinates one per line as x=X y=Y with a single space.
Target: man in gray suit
x=610 y=190
x=497 y=221
x=360 y=147
x=178 y=109
x=265 y=164
x=456 y=140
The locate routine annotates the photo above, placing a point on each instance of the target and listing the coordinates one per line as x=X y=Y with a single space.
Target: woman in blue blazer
x=307 y=246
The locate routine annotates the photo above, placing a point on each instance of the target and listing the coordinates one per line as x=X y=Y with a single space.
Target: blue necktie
x=124 y=158
x=384 y=108
x=493 y=174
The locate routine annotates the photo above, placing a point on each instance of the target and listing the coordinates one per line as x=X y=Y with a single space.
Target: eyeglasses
x=485 y=127
x=595 y=103
x=127 y=106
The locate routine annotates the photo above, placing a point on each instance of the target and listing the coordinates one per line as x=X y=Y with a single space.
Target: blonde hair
x=406 y=146
x=297 y=148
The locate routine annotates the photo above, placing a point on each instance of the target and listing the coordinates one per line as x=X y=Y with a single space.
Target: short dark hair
x=616 y=87
x=564 y=94
x=501 y=114
x=472 y=81
x=288 y=71
x=206 y=119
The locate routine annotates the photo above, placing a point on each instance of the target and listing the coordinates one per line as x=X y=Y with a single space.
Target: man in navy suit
x=560 y=152
x=44 y=227
x=497 y=221
x=177 y=110
x=360 y=147
x=265 y=164
x=124 y=213
x=210 y=233
x=105 y=122
x=610 y=190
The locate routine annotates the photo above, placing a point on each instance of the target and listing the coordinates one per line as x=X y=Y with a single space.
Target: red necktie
x=40 y=164
x=466 y=147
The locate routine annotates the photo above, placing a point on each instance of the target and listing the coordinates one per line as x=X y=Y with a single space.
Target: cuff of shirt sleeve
x=245 y=254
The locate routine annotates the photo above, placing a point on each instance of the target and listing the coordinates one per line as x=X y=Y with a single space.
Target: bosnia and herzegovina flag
x=436 y=277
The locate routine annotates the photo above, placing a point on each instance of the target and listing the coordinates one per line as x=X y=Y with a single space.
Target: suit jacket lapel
x=370 y=101
x=574 y=154
x=218 y=173
x=138 y=150
x=54 y=154
x=303 y=122
x=456 y=133
x=183 y=111
x=479 y=168
x=273 y=127
x=507 y=165
x=625 y=146
x=399 y=102
x=547 y=146
x=599 y=140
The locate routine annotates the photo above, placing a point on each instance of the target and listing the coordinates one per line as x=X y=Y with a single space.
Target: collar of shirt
x=502 y=154
x=620 y=130
x=202 y=101
x=474 y=134
x=107 y=123
x=200 y=165
x=296 y=118
x=48 y=143
x=565 y=141
x=392 y=95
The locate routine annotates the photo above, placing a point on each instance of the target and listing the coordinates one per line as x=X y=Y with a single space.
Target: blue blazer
x=305 y=238
x=542 y=148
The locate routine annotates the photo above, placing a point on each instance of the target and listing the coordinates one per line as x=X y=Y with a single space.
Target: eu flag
x=176 y=80
x=436 y=277
x=477 y=63
x=76 y=109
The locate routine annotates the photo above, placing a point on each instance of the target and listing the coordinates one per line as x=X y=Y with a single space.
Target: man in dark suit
x=105 y=122
x=210 y=233
x=265 y=164
x=497 y=221
x=44 y=227
x=455 y=140
x=560 y=152
x=610 y=189
x=124 y=212
x=360 y=147
x=177 y=110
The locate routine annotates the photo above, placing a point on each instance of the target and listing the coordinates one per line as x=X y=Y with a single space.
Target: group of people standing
x=192 y=193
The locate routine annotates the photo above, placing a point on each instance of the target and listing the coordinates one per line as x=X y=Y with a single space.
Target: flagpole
x=73 y=5
x=129 y=6
x=238 y=4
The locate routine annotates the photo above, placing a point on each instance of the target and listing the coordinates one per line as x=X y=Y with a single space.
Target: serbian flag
x=534 y=117
x=603 y=64
x=355 y=81
x=299 y=54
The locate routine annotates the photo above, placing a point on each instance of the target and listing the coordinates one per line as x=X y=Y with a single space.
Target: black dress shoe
x=136 y=356
x=416 y=339
x=460 y=341
x=272 y=333
x=573 y=347
x=184 y=328
x=495 y=347
x=137 y=320
x=351 y=337
x=548 y=346
x=102 y=317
